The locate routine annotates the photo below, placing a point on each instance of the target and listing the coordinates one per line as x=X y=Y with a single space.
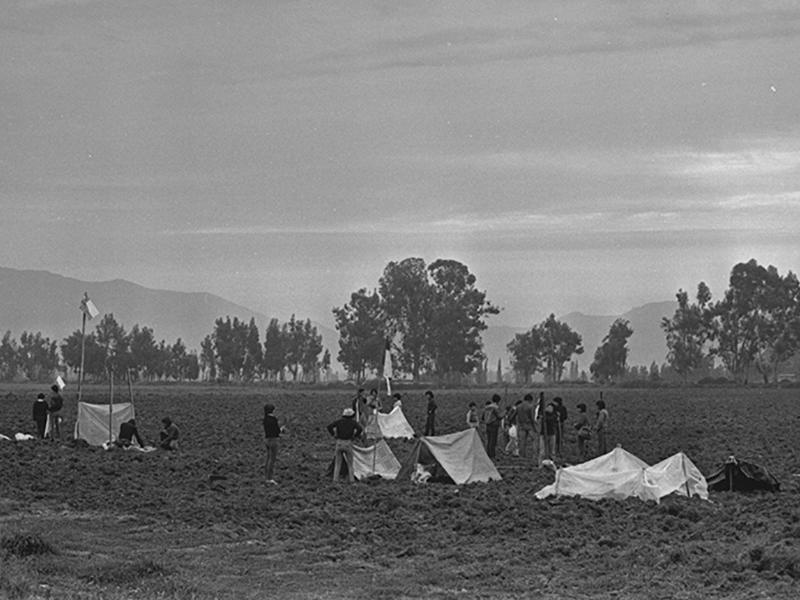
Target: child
x=472 y=416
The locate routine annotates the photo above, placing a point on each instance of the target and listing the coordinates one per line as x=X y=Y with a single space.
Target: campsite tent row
x=462 y=457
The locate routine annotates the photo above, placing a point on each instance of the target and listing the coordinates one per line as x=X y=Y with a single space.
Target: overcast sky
x=589 y=156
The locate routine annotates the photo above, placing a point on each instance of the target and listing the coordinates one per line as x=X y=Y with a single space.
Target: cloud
x=557 y=30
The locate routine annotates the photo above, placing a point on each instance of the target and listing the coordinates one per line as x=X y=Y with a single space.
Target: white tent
x=461 y=455
x=620 y=474
x=93 y=422
x=375 y=460
x=394 y=424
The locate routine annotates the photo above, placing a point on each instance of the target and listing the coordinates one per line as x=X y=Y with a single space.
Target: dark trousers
x=272 y=454
x=40 y=426
x=491 y=438
x=430 y=428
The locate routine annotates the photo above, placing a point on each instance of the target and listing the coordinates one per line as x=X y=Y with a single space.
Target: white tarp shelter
x=394 y=424
x=375 y=460
x=93 y=422
x=620 y=474
x=461 y=455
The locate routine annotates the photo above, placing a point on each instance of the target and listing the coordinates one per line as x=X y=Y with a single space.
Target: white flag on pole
x=88 y=307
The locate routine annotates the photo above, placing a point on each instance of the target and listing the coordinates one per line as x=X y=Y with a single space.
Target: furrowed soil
x=80 y=522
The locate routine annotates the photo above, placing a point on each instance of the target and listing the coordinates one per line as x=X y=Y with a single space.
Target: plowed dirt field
x=202 y=522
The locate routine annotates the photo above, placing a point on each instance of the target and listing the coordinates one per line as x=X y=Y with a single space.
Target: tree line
x=233 y=351
x=431 y=318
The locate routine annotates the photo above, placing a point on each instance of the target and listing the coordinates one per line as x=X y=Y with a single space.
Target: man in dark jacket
x=491 y=419
x=127 y=432
x=40 y=414
x=344 y=430
x=430 y=421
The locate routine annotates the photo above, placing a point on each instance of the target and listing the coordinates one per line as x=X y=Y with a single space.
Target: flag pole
x=111 y=407
x=83 y=346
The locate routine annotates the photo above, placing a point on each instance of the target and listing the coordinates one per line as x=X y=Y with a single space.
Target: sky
x=576 y=156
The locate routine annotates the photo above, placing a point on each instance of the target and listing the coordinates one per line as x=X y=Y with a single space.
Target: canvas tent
x=620 y=474
x=460 y=456
x=742 y=476
x=93 y=421
x=394 y=424
x=377 y=460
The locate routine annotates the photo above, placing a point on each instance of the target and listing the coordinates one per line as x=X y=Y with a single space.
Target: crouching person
x=127 y=432
x=169 y=435
x=344 y=430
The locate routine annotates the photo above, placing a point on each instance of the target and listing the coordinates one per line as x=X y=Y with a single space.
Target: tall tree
x=274 y=352
x=741 y=320
x=143 y=351
x=407 y=301
x=8 y=357
x=208 y=360
x=559 y=343
x=37 y=356
x=254 y=355
x=611 y=357
x=526 y=354
x=310 y=350
x=458 y=312
x=113 y=340
x=688 y=332
x=361 y=325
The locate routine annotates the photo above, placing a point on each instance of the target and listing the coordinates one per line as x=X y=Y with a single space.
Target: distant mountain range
x=42 y=301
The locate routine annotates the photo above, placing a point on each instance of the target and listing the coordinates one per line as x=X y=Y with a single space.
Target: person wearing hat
x=272 y=431
x=344 y=430
x=40 y=414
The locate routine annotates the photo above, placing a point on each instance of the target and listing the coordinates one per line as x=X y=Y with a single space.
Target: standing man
x=344 y=430
x=56 y=404
x=561 y=414
x=40 y=414
x=526 y=424
x=430 y=421
x=491 y=419
x=272 y=431
x=601 y=426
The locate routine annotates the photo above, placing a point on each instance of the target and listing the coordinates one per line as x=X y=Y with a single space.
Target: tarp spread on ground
x=373 y=461
x=460 y=456
x=742 y=476
x=620 y=474
x=93 y=422
x=392 y=425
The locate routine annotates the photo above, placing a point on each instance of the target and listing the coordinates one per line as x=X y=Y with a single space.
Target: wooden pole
x=111 y=407
x=83 y=353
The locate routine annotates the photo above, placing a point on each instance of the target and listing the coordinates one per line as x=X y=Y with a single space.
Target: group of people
x=538 y=428
x=44 y=412
x=129 y=431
